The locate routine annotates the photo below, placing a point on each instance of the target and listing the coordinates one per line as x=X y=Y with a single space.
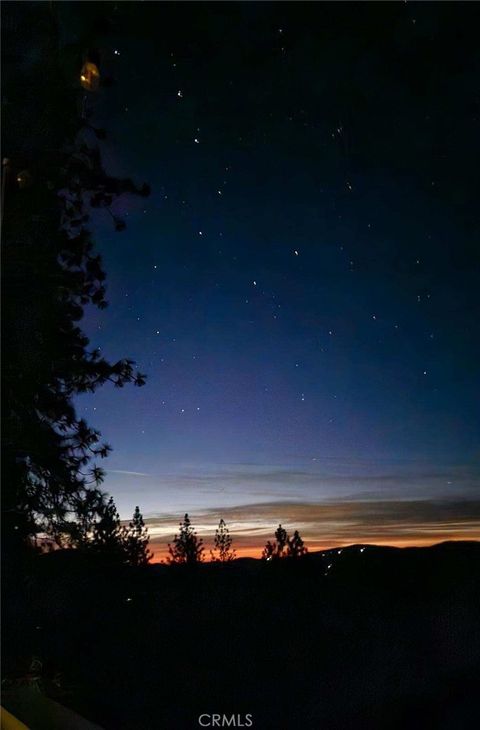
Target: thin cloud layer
x=332 y=523
x=203 y=486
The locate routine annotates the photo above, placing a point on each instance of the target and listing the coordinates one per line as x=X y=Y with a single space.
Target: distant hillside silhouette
x=383 y=638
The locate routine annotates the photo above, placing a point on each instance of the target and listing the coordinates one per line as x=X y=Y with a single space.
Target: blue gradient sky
x=301 y=287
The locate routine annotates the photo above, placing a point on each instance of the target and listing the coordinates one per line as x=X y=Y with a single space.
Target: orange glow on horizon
x=325 y=525
x=161 y=554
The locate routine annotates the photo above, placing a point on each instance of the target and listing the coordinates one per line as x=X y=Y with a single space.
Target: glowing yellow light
x=90 y=76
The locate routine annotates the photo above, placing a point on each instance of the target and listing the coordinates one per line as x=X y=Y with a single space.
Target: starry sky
x=301 y=287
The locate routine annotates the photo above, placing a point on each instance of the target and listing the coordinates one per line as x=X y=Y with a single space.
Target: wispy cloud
x=129 y=473
x=331 y=501
x=331 y=523
x=197 y=485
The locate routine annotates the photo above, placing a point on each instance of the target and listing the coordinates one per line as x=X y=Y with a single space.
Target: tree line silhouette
x=52 y=179
x=99 y=531
x=129 y=544
x=188 y=548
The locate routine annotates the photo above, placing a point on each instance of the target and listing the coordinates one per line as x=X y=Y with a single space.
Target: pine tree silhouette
x=109 y=537
x=279 y=548
x=78 y=532
x=296 y=547
x=222 y=551
x=282 y=539
x=137 y=540
x=51 y=272
x=269 y=551
x=187 y=547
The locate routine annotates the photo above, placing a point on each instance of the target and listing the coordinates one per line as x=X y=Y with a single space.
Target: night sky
x=301 y=287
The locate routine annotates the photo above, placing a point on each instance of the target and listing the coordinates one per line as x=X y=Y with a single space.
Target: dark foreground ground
x=384 y=638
